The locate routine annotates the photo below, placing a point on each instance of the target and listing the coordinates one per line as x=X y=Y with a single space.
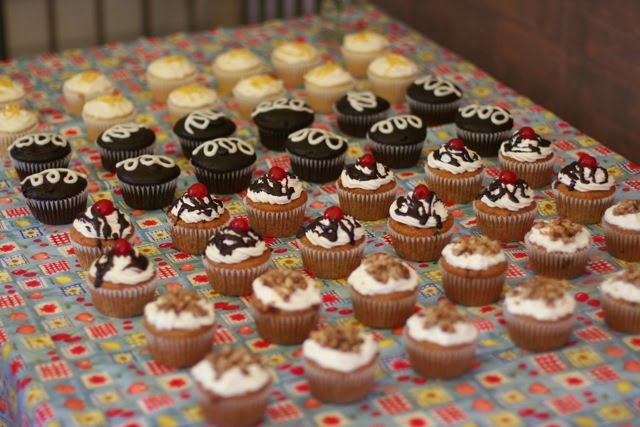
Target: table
x=62 y=363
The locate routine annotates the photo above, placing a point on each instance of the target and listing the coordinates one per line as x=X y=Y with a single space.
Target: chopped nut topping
x=444 y=315
x=559 y=229
x=542 y=288
x=630 y=275
x=626 y=207
x=182 y=300
x=345 y=338
x=471 y=245
x=385 y=268
x=229 y=358
x=284 y=282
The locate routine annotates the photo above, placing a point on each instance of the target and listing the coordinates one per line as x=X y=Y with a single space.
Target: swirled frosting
x=366 y=178
x=382 y=274
x=94 y=225
x=237 y=60
x=10 y=90
x=294 y=53
x=393 y=66
x=329 y=233
x=89 y=83
x=275 y=192
x=193 y=210
x=172 y=68
x=365 y=42
x=525 y=149
x=425 y=213
x=454 y=161
x=512 y=197
x=130 y=269
x=328 y=75
x=229 y=246
x=585 y=179
x=16 y=119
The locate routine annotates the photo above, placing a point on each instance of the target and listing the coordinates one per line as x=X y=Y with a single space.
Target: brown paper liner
x=455 y=189
x=622 y=244
x=192 y=240
x=511 y=228
x=620 y=315
x=536 y=335
x=391 y=89
x=384 y=311
x=231 y=281
x=331 y=264
x=235 y=411
x=178 y=349
x=439 y=362
x=558 y=265
x=285 y=328
x=372 y=206
x=419 y=248
x=276 y=223
x=87 y=254
x=340 y=387
x=582 y=211
x=536 y=174
x=472 y=291
x=124 y=302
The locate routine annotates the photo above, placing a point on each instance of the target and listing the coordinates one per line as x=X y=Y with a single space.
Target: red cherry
x=527 y=133
x=104 y=207
x=198 y=190
x=508 y=177
x=455 y=144
x=334 y=213
x=421 y=192
x=277 y=173
x=587 y=161
x=239 y=224
x=367 y=160
x=122 y=247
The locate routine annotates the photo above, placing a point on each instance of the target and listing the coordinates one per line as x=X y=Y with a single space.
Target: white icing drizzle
x=316 y=136
x=232 y=145
x=437 y=85
x=404 y=121
x=53 y=176
x=281 y=103
x=146 y=160
x=498 y=115
x=39 y=139
x=360 y=101
x=200 y=119
x=120 y=131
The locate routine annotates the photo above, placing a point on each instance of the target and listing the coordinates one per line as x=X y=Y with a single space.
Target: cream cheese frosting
x=623 y=285
x=541 y=298
x=474 y=253
x=90 y=84
x=237 y=60
x=193 y=96
x=382 y=274
x=108 y=107
x=443 y=325
x=258 y=86
x=338 y=360
x=328 y=75
x=286 y=290
x=294 y=53
x=185 y=310
x=559 y=235
x=16 y=119
x=365 y=42
x=10 y=90
x=172 y=67
x=393 y=66
x=625 y=215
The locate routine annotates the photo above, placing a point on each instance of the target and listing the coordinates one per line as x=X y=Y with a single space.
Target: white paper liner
x=179 y=352
x=233 y=282
x=582 y=211
x=293 y=74
x=317 y=170
x=234 y=411
x=559 y=265
x=472 y=291
x=486 y=144
x=537 y=175
x=20 y=102
x=6 y=139
x=160 y=88
x=227 y=79
x=58 y=212
x=247 y=104
x=111 y=157
x=621 y=317
x=510 y=228
x=74 y=101
x=191 y=240
x=539 y=336
x=624 y=244
x=148 y=197
x=326 y=264
x=322 y=99
x=285 y=329
x=340 y=387
x=441 y=362
x=358 y=124
x=225 y=182
x=276 y=223
x=122 y=303
x=383 y=313
x=357 y=63
x=396 y=156
x=391 y=89
x=24 y=169
x=94 y=126
x=455 y=189
x=371 y=206
x=419 y=248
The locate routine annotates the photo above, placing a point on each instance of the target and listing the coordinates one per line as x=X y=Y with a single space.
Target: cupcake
x=434 y=99
x=331 y=246
x=483 y=127
x=277 y=119
x=454 y=172
x=275 y=203
x=36 y=152
x=224 y=165
x=420 y=225
x=168 y=73
x=558 y=248
x=366 y=189
x=506 y=208
x=97 y=229
x=391 y=75
x=529 y=155
x=360 y=49
x=473 y=270
x=325 y=85
x=124 y=141
x=201 y=126
x=340 y=363
x=621 y=223
x=233 y=387
x=356 y=112
x=285 y=306
x=194 y=217
x=251 y=91
x=584 y=190
x=620 y=294
x=441 y=342
x=122 y=281
x=11 y=93
x=55 y=196
x=191 y=97
x=14 y=123
x=234 y=65
x=292 y=60
x=83 y=87
x=102 y=112
x=316 y=155
x=384 y=291
x=540 y=314
x=234 y=257
x=397 y=141
x=179 y=327
x=147 y=182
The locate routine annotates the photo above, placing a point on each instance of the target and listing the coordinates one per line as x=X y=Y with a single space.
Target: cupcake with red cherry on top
x=529 y=155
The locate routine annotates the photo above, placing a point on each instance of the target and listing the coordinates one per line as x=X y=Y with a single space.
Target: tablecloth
x=62 y=363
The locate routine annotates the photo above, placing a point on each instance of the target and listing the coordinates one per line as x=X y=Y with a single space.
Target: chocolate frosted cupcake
x=200 y=126
x=224 y=165
x=285 y=306
x=357 y=111
x=124 y=141
x=441 y=342
x=434 y=99
x=366 y=189
x=332 y=245
x=316 y=155
x=147 y=181
x=529 y=155
x=621 y=223
x=277 y=119
x=584 y=190
x=420 y=225
x=275 y=203
x=483 y=127
x=55 y=196
x=620 y=294
x=397 y=141
x=506 y=208
x=39 y=151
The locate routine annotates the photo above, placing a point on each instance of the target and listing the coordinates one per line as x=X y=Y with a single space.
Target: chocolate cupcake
x=124 y=141
x=483 y=127
x=434 y=99
x=56 y=196
x=200 y=126
x=529 y=155
x=397 y=141
x=224 y=164
x=357 y=111
x=277 y=119
x=316 y=155
x=148 y=181
x=39 y=151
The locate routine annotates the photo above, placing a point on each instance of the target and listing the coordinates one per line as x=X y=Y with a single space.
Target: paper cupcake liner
x=227 y=79
x=293 y=74
x=74 y=101
x=20 y=102
x=111 y=157
x=396 y=156
x=620 y=316
x=558 y=265
x=58 y=212
x=582 y=211
x=233 y=282
x=94 y=127
x=160 y=89
x=177 y=112
x=472 y=291
x=317 y=170
x=391 y=89
x=285 y=328
x=234 y=411
x=274 y=139
x=188 y=145
x=622 y=244
x=191 y=240
x=224 y=182
x=510 y=228
x=358 y=63
x=125 y=302
x=321 y=100
x=537 y=175
x=179 y=351
x=276 y=223
x=434 y=114
x=7 y=139
x=87 y=254
x=419 y=248
x=454 y=189
x=538 y=336
x=439 y=362
x=486 y=144
x=148 y=197
x=383 y=311
x=371 y=206
x=24 y=169
x=246 y=104
x=339 y=387
x=327 y=264
x=357 y=125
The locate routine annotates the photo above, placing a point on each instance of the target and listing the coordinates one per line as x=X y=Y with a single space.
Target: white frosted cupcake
x=251 y=91
x=84 y=87
x=11 y=93
x=14 y=123
x=101 y=113
x=292 y=59
x=440 y=341
x=620 y=293
x=189 y=98
x=529 y=155
x=325 y=85
x=621 y=223
x=359 y=49
x=234 y=65
x=168 y=73
x=391 y=75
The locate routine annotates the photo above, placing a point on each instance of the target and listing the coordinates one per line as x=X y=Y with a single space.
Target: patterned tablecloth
x=62 y=363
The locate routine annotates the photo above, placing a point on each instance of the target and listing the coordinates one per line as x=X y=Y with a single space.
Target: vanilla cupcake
x=251 y=91
x=621 y=223
x=84 y=87
x=391 y=75
x=168 y=73
x=529 y=155
x=359 y=49
x=11 y=93
x=325 y=85
x=620 y=294
x=102 y=112
x=14 y=123
x=292 y=59
x=189 y=98
x=233 y=66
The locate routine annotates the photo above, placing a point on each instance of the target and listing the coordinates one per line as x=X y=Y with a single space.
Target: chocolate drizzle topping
x=229 y=358
x=357 y=172
x=346 y=338
x=498 y=190
x=420 y=210
x=451 y=156
x=328 y=229
x=228 y=240
x=444 y=315
x=105 y=263
x=586 y=175
x=516 y=144
x=264 y=184
x=206 y=206
x=101 y=225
